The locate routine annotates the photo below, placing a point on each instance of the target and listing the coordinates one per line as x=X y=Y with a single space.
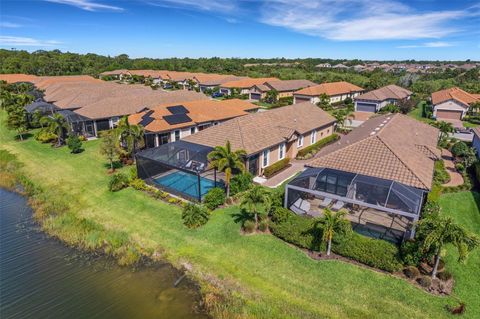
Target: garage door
x=446 y=114
x=366 y=107
x=255 y=96
x=301 y=99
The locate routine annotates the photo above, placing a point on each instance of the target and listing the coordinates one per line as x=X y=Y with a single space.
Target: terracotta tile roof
x=199 y=111
x=247 y=82
x=385 y=93
x=477 y=96
x=13 y=78
x=215 y=79
x=115 y=72
x=400 y=149
x=290 y=85
x=454 y=93
x=258 y=131
x=45 y=81
x=135 y=102
x=333 y=88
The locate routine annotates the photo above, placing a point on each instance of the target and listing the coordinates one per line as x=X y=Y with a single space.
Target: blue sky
x=364 y=29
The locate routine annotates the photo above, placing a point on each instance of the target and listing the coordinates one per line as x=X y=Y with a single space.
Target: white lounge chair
x=338 y=205
x=326 y=201
x=300 y=207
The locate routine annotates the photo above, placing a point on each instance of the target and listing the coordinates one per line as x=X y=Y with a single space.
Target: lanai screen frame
x=176 y=156
x=303 y=184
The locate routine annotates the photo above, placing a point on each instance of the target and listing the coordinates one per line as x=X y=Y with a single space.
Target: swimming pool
x=186 y=183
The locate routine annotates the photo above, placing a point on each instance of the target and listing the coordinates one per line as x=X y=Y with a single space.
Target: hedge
x=314 y=148
x=271 y=170
x=440 y=174
x=376 y=253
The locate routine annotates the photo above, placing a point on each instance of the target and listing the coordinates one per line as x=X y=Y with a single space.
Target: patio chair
x=189 y=164
x=300 y=207
x=338 y=205
x=326 y=201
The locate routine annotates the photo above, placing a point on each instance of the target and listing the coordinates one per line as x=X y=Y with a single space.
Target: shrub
x=460 y=149
x=194 y=216
x=425 y=281
x=377 y=253
x=445 y=275
x=280 y=214
x=263 y=225
x=314 y=148
x=431 y=207
x=460 y=167
x=411 y=272
x=440 y=175
x=271 y=170
x=214 y=198
x=45 y=136
x=411 y=252
x=138 y=184
x=173 y=200
x=435 y=193
x=240 y=183
x=249 y=226
x=74 y=144
x=117 y=182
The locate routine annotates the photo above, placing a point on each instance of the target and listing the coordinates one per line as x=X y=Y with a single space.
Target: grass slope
x=272 y=279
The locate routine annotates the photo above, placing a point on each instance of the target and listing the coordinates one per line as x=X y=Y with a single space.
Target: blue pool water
x=186 y=183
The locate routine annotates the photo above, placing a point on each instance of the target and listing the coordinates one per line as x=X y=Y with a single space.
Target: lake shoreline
x=124 y=251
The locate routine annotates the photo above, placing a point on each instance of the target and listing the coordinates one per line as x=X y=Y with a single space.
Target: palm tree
x=225 y=160
x=340 y=116
x=444 y=128
x=129 y=136
x=56 y=124
x=256 y=201
x=331 y=223
x=439 y=231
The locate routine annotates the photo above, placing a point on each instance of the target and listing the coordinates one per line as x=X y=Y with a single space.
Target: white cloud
x=5 y=24
x=437 y=44
x=24 y=41
x=88 y=5
x=221 y=6
x=349 y=20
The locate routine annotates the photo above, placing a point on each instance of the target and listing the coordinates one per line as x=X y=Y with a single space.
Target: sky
x=343 y=29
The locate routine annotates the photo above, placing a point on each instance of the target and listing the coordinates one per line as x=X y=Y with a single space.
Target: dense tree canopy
x=65 y=63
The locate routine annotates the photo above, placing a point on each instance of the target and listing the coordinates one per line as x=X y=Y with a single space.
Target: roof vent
x=377 y=129
x=381 y=125
x=373 y=133
x=385 y=121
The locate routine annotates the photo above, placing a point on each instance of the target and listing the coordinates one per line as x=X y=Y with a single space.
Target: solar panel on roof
x=146 y=119
x=177 y=109
x=177 y=119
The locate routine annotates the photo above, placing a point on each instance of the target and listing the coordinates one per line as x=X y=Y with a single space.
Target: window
x=192 y=130
x=281 y=151
x=313 y=137
x=266 y=154
x=177 y=135
x=300 y=141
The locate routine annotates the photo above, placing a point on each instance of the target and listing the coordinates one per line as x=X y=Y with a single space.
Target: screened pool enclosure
x=376 y=207
x=180 y=168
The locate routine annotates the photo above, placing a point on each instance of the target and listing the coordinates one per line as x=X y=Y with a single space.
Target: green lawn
x=273 y=279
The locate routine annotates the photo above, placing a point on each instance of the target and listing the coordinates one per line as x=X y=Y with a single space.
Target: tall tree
x=57 y=125
x=330 y=224
x=225 y=160
x=436 y=231
x=129 y=136
x=17 y=120
x=257 y=201
x=324 y=102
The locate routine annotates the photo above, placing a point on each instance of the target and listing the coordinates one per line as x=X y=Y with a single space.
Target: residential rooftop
x=289 y=85
x=246 y=82
x=454 y=93
x=331 y=89
x=257 y=131
x=385 y=93
x=392 y=146
x=197 y=112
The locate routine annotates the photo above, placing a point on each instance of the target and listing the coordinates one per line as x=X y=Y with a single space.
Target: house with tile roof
x=170 y=122
x=374 y=101
x=381 y=172
x=210 y=81
x=270 y=136
x=476 y=140
x=284 y=88
x=243 y=85
x=452 y=103
x=336 y=91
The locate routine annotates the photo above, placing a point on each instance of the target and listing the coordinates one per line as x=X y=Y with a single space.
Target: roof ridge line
x=403 y=162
